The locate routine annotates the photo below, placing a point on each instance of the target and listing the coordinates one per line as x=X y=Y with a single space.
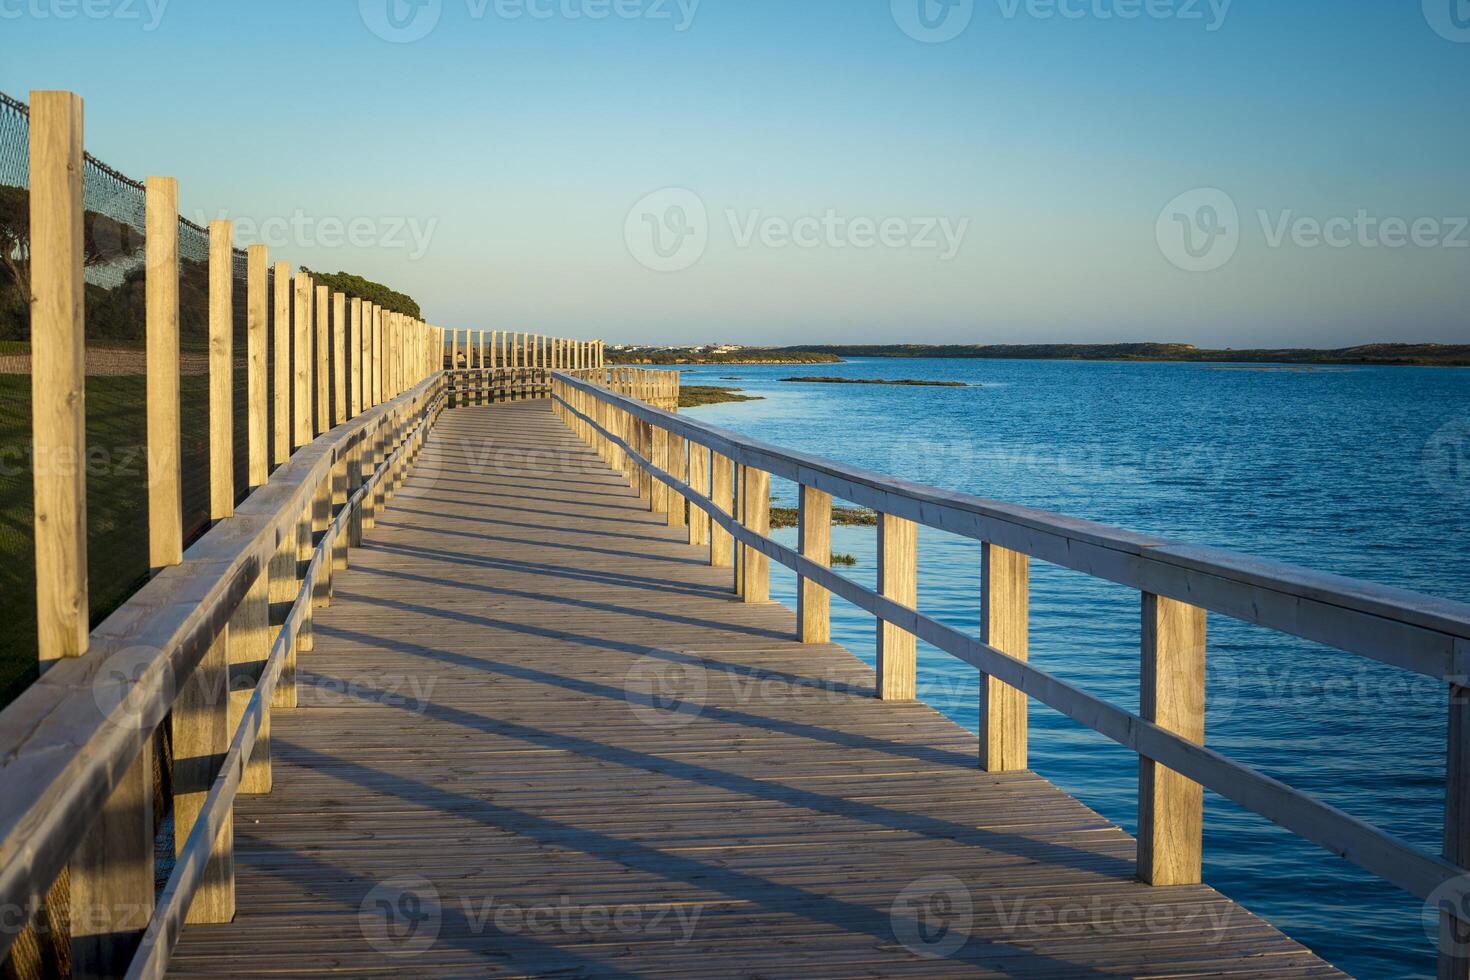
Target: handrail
x=71 y=736
x=1355 y=616
x=1405 y=629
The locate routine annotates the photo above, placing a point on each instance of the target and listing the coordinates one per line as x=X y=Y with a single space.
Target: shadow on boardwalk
x=538 y=736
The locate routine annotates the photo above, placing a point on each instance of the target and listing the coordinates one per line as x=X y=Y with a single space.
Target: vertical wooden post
x=221 y=371
x=1171 y=695
x=339 y=358
x=285 y=378
x=165 y=504
x=1005 y=600
x=250 y=646
x=659 y=495
x=201 y=737
x=380 y=356
x=302 y=360
x=257 y=395
x=679 y=469
x=699 y=482
x=58 y=377
x=756 y=567
x=721 y=543
x=323 y=360
x=355 y=345
x=898 y=557
x=814 y=531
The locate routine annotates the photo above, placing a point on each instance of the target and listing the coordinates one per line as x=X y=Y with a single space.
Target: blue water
x=1358 y=471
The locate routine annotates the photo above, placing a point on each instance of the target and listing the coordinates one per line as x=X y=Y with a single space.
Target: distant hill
x=1442 y=355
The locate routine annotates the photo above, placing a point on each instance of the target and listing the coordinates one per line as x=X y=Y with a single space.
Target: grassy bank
x=693 y=396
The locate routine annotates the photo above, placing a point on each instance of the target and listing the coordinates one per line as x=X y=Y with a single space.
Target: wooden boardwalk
x=538 y=736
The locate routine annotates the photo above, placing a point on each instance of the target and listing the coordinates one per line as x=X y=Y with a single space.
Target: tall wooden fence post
x=1172 y=695
x=221 y=371
x=257 y=395
x=1005 y=600
x=165 y=502
x=339 y=358
x=355 y=345
x=283 y=341
x=814 y=530
x=898 y=546
x=323 y=366
x=113 y=867
x=301 y=361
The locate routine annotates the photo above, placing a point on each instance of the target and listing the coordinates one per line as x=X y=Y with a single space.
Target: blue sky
x=1258 y=172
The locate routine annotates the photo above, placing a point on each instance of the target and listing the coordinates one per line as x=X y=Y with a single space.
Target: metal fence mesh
x=194 y=377
x=116 y=387
x=239 y=375
x=17 y=564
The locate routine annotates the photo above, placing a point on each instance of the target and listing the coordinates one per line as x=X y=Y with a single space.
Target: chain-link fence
x=17 y=564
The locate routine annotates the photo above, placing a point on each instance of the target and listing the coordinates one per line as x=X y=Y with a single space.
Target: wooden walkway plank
x=538 y=735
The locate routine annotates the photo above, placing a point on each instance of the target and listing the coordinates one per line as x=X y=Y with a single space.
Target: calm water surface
x=1358 y=471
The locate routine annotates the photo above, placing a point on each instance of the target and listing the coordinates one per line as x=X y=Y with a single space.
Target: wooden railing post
x=1172 y=696
x=283 y=341
x=721 y=543
x=898 y=558
x=1005 y=600
x=755 y=565
x=659 y=503
x=165 y=504
x=814 y=532
x=257 y=395
x=699 y=481
x=221 y=371
x=679 y=469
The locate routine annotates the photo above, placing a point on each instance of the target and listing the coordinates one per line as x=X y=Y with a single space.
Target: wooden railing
x=725 y=478
x=173 y=692
x=481 y=386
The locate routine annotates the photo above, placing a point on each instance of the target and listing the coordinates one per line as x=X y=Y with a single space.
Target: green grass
x=117 y=504
x=841 y=517
x=843 y=559
x=693 y=396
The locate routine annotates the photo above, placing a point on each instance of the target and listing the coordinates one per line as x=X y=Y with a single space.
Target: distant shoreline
x=1380 y=355
x=1389 y=355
